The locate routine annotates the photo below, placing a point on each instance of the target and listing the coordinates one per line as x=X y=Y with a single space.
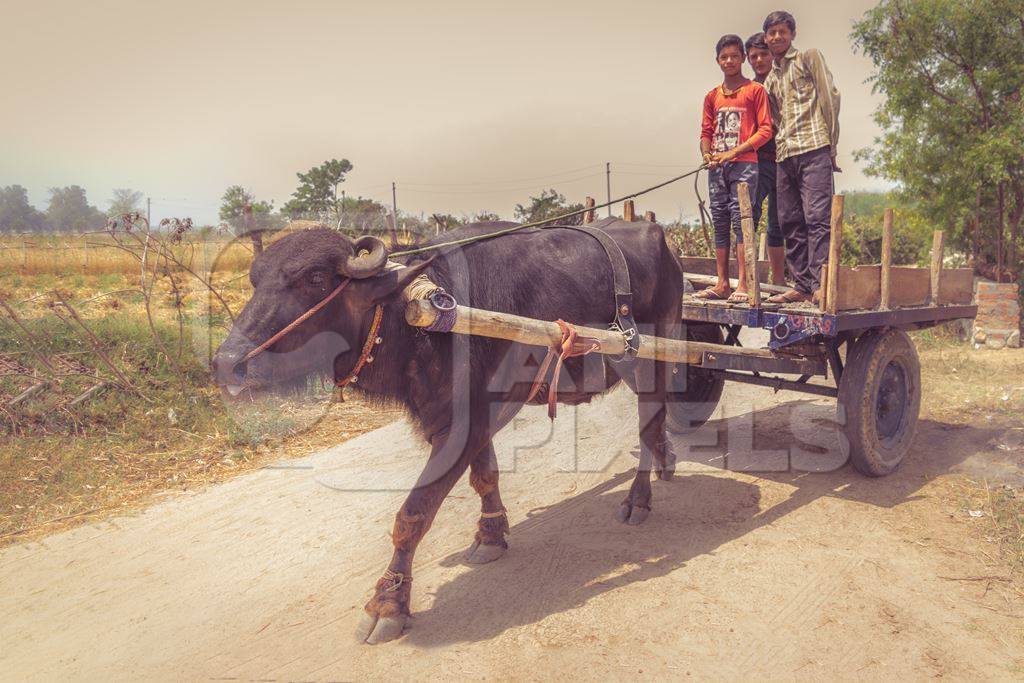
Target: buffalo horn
x=363 y=265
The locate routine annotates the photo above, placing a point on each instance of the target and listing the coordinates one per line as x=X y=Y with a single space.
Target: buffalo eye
x=317 y=278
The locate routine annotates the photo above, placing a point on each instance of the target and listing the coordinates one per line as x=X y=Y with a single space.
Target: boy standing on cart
x=805 y=108
x=735 y=123
x=760 y=59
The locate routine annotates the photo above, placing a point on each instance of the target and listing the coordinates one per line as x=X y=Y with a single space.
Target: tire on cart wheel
x=879 y=400
x=695 y=392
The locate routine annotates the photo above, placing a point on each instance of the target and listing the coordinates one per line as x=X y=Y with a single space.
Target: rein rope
x=365 y=356
x=546 y=221
x=295 y=323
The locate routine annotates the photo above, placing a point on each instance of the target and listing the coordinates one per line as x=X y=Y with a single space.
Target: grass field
x=122 y=405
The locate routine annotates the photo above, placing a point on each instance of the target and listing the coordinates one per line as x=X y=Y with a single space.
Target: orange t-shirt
x=731 y=120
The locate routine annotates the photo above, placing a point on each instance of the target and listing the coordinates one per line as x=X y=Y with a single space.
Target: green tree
x=124 y=201
x=317 y=193
x=70 y=211
x=549 y=204
x=16 y=214
x=952 y=73
x=244 y=215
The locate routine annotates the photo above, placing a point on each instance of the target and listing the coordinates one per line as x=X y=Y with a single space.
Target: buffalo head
x=290 y=277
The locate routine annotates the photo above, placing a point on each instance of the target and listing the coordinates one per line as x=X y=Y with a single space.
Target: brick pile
x=998 y=322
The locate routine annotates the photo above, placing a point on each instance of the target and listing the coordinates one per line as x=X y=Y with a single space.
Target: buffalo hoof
x=632 y=514
x=666 y=474
x=480 y=553
x=373 y=629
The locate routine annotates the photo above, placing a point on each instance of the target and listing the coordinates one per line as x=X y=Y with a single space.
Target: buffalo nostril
x=228 y=368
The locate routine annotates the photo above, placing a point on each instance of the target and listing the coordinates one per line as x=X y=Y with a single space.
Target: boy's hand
x=722 y=158
x=707 y=159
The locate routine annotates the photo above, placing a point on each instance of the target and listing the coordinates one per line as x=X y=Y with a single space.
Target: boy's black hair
x=727 y=40
x=756 y=40
x=780 y=17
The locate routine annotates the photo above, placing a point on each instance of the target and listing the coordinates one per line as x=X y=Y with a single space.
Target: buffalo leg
x=489 y=543
x=651 y=414
x=388 y=609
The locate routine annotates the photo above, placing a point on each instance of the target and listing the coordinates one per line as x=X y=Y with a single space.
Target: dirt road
x=783 y=575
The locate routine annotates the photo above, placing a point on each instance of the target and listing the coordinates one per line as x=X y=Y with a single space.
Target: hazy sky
x=466 y=105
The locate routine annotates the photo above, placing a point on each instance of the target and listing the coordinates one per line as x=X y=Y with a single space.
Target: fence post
x=886 y=277
x=588 y=215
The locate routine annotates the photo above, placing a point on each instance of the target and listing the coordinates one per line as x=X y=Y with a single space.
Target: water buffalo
x=458 y=390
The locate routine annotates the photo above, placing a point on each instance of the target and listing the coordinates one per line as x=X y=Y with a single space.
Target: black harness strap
x=623 y=291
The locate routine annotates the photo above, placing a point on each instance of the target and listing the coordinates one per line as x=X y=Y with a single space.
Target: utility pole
x=341 y=219
x=394 y=216
x=148 y=201
x=608 y=183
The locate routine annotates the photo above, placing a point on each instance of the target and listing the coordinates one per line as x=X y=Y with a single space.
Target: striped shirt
x=805 y=104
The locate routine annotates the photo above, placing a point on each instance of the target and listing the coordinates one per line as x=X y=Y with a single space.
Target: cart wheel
x=695 y=392
x=881 y=393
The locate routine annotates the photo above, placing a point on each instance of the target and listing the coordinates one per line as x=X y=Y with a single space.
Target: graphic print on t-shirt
x=727 y=129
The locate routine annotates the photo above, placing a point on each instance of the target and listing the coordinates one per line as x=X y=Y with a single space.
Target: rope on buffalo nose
x=569 y=347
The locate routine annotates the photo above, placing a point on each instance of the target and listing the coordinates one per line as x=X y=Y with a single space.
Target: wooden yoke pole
x=628 y=211
x=588 y=215
x=830 y=290
x=749 y=254
x=937 y=245
x=886 y=259
x=474 y=321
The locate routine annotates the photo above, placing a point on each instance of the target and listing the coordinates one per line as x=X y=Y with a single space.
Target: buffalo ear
x=390 y=283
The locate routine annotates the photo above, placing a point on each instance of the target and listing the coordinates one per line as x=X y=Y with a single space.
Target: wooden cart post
x=749 y=254
x=628 y=211
x=829 y=291
x=886 y=274
x=649 y=217
x=588 y=215
x=937 y=246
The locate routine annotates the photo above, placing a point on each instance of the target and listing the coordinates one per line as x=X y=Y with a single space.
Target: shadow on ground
x=572 y=551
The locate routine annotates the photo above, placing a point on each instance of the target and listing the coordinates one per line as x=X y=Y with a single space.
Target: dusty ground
x=779 y=575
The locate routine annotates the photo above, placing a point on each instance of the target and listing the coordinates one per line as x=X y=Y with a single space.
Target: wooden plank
x=956 y=286
x=588 y=215
x=835 y=248
x=860 y=290
x=749 y=247
x=474 y=321
x=936 y=269
x=886 y=276
x=711 y=280
x=701 y=265
x=823 y=299
x=909 y=286
x=628 y=211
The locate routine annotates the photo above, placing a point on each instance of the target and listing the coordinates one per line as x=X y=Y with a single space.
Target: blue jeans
x=766 y=188
x=725 y=205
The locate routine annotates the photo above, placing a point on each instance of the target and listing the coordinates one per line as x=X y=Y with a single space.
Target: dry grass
x=965 y=385
x=98 y=254
x=49 y=483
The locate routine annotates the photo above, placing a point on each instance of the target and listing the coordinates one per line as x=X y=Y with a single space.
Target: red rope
x=364 y=355
x=295 y=323
x=568 y=347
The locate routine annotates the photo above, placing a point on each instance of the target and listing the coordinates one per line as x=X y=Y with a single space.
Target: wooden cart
x=856 y=339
